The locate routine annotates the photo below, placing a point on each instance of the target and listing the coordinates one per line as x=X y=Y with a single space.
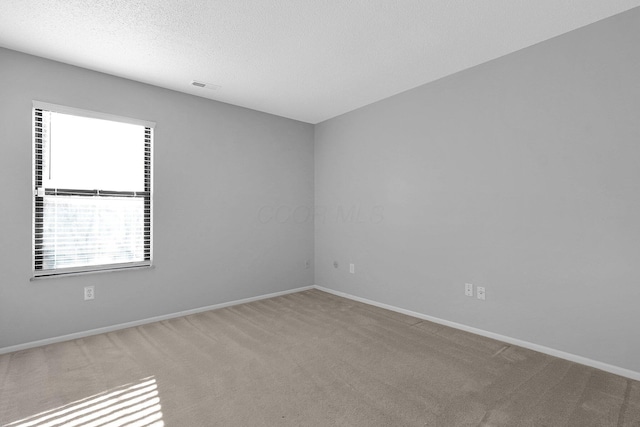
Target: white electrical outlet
x=468 y=289
x=352 y=269
x=89 y=293
x=481 y=293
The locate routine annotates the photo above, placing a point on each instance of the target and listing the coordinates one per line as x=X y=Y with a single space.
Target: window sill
x=84 y=273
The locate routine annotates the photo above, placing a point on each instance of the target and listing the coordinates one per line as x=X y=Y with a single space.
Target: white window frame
x=38 y=273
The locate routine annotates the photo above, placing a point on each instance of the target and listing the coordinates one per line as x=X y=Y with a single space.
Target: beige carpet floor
x=305 y=359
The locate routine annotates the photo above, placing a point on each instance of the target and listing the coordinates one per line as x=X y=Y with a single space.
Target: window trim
x=89 y=269
x=63 y=109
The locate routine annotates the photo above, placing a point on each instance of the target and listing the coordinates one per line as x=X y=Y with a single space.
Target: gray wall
x=521 y=175
x=219 y=172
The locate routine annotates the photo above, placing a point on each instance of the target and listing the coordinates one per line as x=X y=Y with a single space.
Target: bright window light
x=92 y=191
x=93 y=154
x=131 y=405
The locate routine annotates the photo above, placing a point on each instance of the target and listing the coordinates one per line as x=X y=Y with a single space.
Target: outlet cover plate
x=468 y=289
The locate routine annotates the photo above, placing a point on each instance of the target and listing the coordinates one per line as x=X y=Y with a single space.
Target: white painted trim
x=105 y=268
x=525 y=344
x=91 y=114
x=119 y=326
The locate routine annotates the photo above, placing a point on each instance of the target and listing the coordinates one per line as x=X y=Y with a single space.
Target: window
x=92 y=191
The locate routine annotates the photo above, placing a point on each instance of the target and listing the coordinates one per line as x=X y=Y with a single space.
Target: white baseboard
x=525 y=344
x=119 y=326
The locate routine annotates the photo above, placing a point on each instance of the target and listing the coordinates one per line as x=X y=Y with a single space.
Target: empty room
x=320 y=213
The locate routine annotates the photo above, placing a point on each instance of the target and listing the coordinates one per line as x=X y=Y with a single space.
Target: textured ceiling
x=305 y=59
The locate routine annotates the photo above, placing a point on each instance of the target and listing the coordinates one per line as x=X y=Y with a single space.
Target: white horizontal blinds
x=147 y=196
x=92 y=193
x=40 y=127
x=84 y=231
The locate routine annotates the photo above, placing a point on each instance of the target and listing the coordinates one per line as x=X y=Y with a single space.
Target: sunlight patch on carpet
x=135 y=405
